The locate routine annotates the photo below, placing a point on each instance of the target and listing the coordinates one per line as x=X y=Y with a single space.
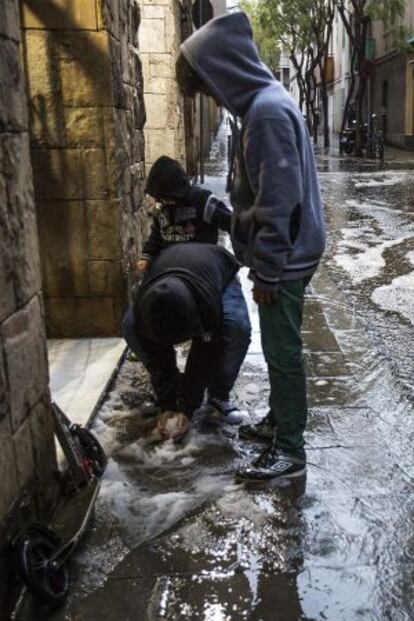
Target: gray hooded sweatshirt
x=278 y=225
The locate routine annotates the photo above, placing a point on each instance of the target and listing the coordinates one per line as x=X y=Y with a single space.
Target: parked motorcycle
x=348 y=138
x=372 y=139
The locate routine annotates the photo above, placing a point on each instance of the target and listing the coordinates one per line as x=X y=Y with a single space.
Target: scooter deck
x=73 y=514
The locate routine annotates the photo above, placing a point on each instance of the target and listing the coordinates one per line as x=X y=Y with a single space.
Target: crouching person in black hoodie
x=191 y=293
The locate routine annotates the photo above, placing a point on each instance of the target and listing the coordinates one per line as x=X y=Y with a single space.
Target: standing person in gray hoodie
x=278 y=226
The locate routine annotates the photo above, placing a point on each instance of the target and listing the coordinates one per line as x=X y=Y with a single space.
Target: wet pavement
x=331 y=160
x=175 y=538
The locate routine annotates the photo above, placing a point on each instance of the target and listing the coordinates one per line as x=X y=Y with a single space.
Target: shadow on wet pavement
x=176 y=538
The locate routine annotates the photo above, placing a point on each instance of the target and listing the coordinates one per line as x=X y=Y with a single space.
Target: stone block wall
x=27 y=454
x=87 y=147
x=160 y=38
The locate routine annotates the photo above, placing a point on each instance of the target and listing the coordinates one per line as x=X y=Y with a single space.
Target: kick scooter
x=41 y=552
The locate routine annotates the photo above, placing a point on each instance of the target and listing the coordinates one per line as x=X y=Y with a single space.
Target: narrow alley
x=175 y=537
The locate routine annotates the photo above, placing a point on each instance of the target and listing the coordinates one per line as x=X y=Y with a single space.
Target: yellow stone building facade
x=86 y=117
x=160 y=38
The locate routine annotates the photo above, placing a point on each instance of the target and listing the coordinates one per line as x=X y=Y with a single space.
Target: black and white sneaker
x=273 y=464
x=264 y=431
x=227 y=411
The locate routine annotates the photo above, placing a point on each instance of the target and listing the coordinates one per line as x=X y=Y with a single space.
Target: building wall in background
x=206 y=117
x=392 y=86
x=338 y=89
x=160 y=39
x=87 y=148
x=27 y=454
x=390 y=91
x=174 y=125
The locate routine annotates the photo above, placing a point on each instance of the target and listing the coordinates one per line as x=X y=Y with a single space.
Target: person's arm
x=217 y=213
x=210 y=209
x=160 y=362
x=153 y=244
x=274 y=172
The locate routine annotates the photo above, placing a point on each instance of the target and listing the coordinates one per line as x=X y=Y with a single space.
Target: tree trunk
x=309 y=115
x=310 y=92
x=313 y=109
x=359 y=99
x=299 y=79
x=350 y=93
x=324 y=89
x=361 y=29
x=325 y=111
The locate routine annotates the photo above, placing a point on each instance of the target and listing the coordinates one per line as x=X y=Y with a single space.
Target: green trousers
x=280 y=326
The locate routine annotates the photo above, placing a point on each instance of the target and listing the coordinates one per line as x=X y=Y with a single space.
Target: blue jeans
x=213 y=365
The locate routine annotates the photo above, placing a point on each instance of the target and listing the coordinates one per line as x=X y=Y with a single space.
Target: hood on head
x=168 y=313
x=225 y=57
x=167 y=179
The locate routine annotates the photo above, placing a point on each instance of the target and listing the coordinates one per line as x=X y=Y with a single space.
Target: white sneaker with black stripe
x=226 y=411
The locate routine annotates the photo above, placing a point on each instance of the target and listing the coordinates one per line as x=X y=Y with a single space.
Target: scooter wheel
x=92 y=451
x=47 y=581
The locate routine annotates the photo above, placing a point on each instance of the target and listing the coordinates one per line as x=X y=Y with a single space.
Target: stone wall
x=87 y=148
x=173 y=124
x=160 y=38
x=27 y=455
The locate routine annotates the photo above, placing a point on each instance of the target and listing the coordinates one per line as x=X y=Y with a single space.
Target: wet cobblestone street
x=175 y=538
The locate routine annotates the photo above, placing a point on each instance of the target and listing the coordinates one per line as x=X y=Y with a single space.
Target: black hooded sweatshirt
x=188 y=213
x=206 y=270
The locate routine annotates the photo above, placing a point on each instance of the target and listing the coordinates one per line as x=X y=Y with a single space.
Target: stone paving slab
x=327 y=364
x=80 y=371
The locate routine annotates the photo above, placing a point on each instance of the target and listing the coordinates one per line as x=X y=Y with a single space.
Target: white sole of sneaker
x=281 y=477
x=219 y=417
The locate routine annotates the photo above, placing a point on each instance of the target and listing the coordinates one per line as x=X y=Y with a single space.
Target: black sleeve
x=161 y=364
x=220 y=213
x=154 y=242
x=210 y=209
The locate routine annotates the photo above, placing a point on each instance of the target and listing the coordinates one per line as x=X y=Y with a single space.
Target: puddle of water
x=399 y=295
